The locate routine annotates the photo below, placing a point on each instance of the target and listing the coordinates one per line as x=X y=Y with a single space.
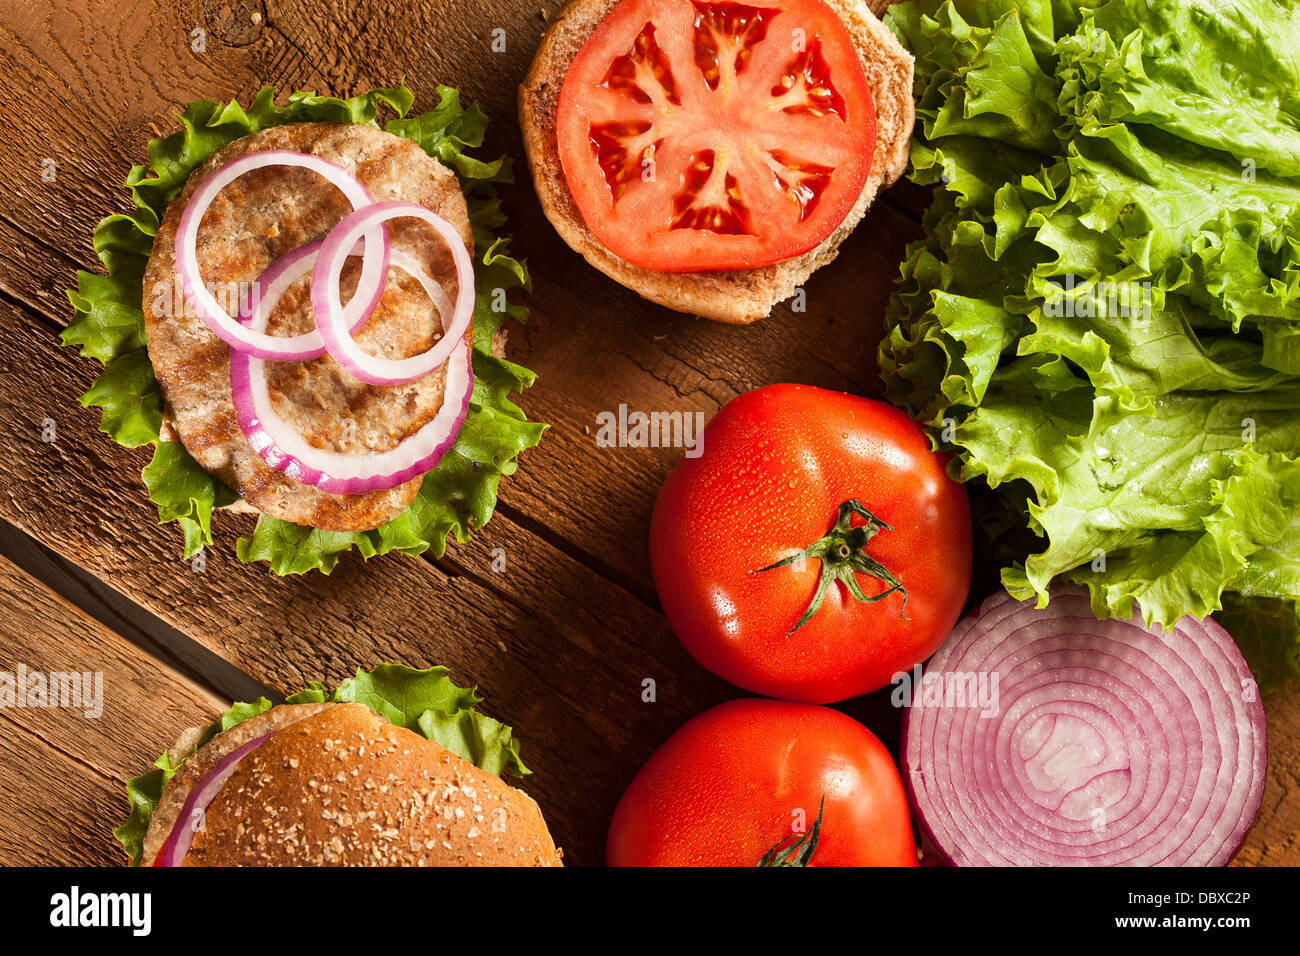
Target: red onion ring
x=298 y=348
x=1112 y=744
x=291 y=267
x=331 y=319
x=199 y=799
x=285 y=450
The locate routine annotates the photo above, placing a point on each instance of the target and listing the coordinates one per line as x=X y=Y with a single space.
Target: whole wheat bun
x=204 y=759
x=738 y=297
x=340 y=786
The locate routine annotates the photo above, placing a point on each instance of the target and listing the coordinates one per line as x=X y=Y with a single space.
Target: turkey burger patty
x=255 y=220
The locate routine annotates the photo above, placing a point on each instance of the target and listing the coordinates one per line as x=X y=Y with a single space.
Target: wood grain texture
x=63 y=789
x=566 y=673
x=119 y=614
x=1274 y=840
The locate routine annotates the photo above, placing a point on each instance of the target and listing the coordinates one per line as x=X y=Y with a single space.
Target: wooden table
x=561 y=640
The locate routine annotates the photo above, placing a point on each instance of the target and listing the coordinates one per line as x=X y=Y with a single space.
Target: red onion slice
x=331 y=320
x=285 y=450
x=1110 y=744
x=256 y=342
x=199 y=799
x=292 y=266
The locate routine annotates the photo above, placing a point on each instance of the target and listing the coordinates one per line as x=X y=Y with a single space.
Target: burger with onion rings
x=320 y=318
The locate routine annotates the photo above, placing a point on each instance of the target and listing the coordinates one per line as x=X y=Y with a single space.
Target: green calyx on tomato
x=735 y=776
x=843 y=556
x=796 y=849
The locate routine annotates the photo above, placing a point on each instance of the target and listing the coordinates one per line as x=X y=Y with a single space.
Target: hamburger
x=323 y=386
x=709 y=155
x=348 y=778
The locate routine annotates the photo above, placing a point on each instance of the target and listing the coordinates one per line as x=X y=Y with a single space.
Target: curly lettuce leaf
x=1103 y=320
x=184 y=493
x=1160 y=74
x=424 y=701
x=108 y=325
x=447 y=131
x=128 y=395
x=490 y=744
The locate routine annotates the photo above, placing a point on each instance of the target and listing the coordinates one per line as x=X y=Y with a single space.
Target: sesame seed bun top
x=343 y=787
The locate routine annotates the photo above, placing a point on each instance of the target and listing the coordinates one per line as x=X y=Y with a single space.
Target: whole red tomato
x=750 y=775
x=796 y=488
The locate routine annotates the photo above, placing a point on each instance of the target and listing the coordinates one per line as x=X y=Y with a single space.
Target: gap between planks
x=128 y=619
x=59 y=801
x=567 y=670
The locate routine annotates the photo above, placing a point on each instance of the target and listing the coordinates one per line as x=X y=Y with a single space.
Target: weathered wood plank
x=62 y=790
x=570 y=684
x=597 y=345
x=146 y=631
x=99 y=81
x=593 y=343
x=1274 y=840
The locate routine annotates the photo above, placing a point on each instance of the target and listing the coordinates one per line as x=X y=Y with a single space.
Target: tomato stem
x=800 y=852
x=843 y=556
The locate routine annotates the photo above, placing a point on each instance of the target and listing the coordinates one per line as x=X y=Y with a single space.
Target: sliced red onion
x=1108 y=744
x=294 y=265
x=332 y=321
x=298 y=348
x=199 y=799
x=283 y=448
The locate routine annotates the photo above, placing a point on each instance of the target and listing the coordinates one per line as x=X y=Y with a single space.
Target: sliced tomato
x=705 y=136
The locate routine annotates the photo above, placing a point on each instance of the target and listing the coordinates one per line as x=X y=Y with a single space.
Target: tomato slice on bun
x=710 y=136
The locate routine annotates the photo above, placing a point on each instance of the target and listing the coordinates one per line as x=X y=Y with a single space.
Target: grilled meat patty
x=251 y=223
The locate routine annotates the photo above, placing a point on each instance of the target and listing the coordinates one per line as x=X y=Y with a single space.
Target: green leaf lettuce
x=1103 y=321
